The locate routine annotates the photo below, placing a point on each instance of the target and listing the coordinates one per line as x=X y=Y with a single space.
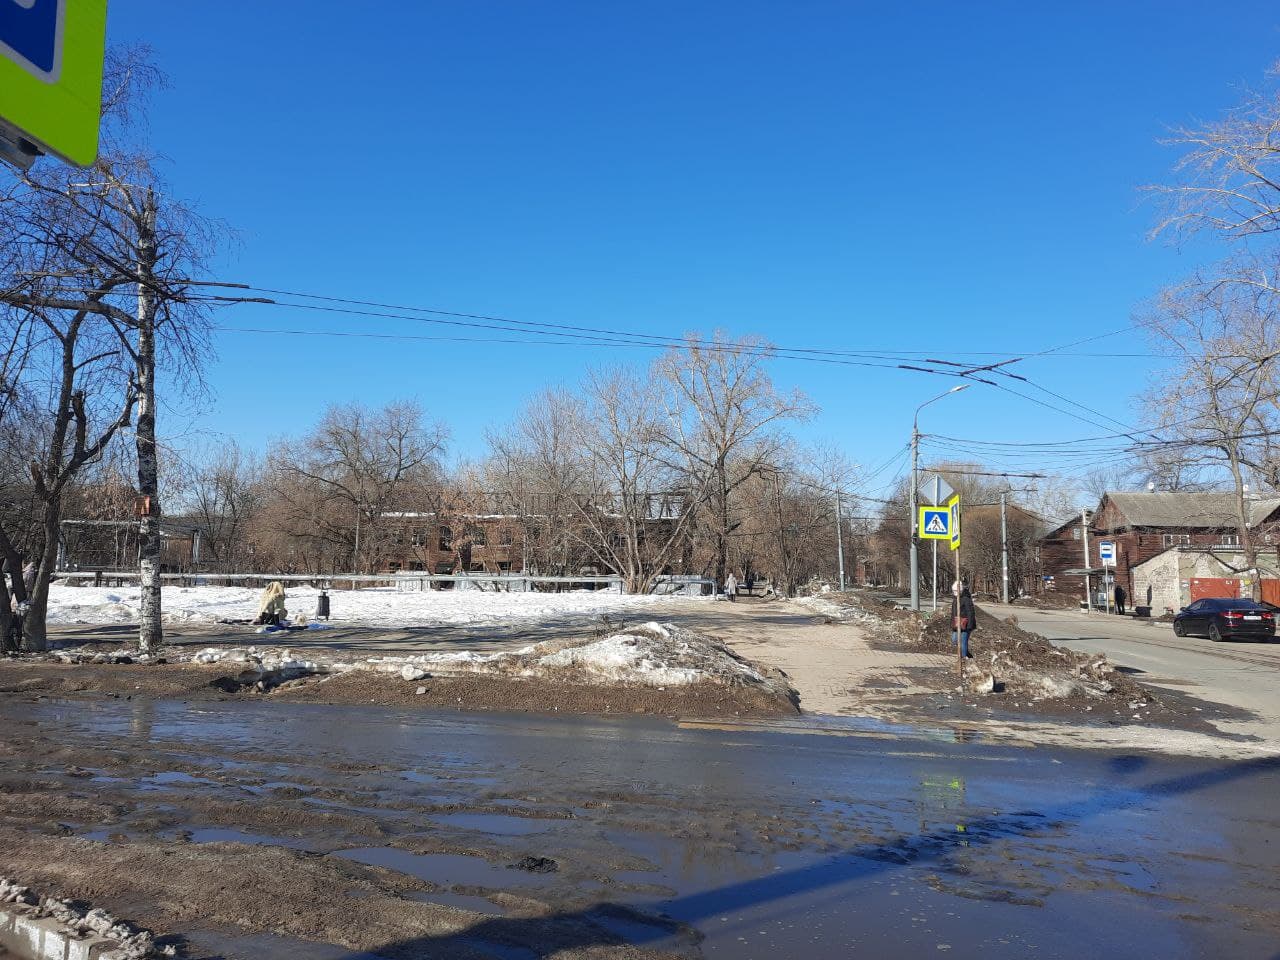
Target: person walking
x=1121 y=597
x=964 y=618
x=731 y=587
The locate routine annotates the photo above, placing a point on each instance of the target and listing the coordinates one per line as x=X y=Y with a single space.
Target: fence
x=495 y=583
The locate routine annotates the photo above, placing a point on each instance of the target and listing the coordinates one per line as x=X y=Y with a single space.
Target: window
x=394 y=566
x=475 y=567
x=416 y=565
x=504 y=566
x=1229 y=540
x=418 y=537
x=477 y=535
x=444 y=568
x=504 y=535
x=1177 y=539
x=446 y=540
x=1075 y=533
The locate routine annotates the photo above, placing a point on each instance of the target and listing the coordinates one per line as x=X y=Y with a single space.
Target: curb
x=33 y=937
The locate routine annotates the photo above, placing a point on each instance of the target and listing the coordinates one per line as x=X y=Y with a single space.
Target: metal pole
x=960 y=582
x=1004 y=550
x=839 y=541
x=1088 y=583
x=915 y=558
x=937 y=495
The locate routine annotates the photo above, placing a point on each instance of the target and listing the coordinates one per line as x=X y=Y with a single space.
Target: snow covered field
x=383 y=606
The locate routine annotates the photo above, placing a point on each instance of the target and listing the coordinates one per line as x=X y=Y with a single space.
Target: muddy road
x=288 y=830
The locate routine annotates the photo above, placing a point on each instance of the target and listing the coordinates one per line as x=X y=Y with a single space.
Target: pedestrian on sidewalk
x=731 y=587
x=964 y=618
x=1121 y=597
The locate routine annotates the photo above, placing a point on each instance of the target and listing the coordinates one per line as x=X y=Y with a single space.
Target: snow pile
x=115 y=939
x=382 y=606
x=653 y=655
x=844 y=609
x=656 y=655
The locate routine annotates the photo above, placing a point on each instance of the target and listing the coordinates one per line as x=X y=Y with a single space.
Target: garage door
x=1202 y=587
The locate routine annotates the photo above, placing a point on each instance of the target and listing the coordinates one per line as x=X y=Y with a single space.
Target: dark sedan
x=1224 y=618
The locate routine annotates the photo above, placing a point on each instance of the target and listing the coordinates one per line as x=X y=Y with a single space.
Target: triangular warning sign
x=936 y=524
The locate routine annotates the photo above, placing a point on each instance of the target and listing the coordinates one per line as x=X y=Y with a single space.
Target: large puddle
x=767 y=844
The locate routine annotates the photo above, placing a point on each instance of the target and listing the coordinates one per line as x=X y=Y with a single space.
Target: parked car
x=1225 y=618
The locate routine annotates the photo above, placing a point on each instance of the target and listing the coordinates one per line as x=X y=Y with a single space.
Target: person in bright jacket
x=964 y=618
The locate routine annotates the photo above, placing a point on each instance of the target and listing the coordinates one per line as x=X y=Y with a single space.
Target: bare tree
x=358 y=465
x=723 y=425
x=1229 y=174
x=106 y=267
x=630 y=504
x=1218 y=398
x=224 y=494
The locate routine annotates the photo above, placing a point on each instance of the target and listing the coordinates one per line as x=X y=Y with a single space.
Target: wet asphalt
x=894 y=842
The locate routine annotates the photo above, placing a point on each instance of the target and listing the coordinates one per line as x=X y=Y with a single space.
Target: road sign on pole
x=1107 y=552
x=953 y=507
x=935 y=523
x=51 y=54
x=935 y=490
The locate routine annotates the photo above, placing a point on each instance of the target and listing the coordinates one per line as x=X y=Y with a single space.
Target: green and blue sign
x=935 y=523
x=51 y=54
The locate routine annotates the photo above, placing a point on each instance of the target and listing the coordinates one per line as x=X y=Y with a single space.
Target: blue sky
x=943 y=177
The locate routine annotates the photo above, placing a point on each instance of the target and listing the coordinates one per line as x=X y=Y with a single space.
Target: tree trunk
x=6 y=617
x=11 y=561
x=35 y=633
x=150 y=629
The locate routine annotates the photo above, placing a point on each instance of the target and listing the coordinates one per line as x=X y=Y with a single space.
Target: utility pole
x=915 y=479
x=1088 y=584
x=915 y=555
x=150 y=628
x=1004 y=551
x=937 y=495
x=839 y=540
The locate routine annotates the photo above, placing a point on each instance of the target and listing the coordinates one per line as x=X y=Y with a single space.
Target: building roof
x=1206 y=510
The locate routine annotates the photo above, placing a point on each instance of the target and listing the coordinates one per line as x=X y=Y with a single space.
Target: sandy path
x=832 y=665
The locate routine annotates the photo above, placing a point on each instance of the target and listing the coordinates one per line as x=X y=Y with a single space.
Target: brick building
x=1143 y=525
x=473 y=543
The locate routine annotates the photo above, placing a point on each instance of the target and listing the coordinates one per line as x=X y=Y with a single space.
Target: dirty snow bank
x=381 y=606
x=42 y=925
x=836 y=607
x=658 y=655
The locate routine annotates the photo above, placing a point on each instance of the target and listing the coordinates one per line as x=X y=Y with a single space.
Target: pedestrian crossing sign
x=935 y=523
x=51 y=54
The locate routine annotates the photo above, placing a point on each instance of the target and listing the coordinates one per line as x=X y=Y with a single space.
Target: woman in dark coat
x=964 y=618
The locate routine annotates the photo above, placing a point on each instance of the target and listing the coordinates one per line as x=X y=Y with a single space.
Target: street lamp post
x=915 y=463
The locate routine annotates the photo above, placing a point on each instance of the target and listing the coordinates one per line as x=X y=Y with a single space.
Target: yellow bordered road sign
x=935 y=523
x=953 y=508
x=51 y=55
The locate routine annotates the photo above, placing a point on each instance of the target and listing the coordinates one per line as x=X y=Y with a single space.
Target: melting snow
x=382 y=606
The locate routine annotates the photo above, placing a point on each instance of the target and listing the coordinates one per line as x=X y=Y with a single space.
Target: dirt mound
x=653 y=668
x=1016 y=662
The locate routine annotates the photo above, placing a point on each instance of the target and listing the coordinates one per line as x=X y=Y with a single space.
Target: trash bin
x=322 y=606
